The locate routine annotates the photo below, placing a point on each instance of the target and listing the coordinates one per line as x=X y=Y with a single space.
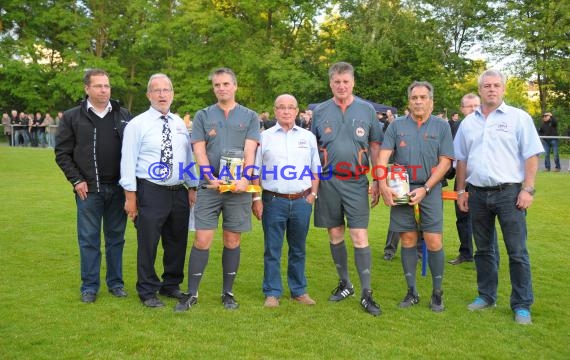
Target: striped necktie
x=166 y=155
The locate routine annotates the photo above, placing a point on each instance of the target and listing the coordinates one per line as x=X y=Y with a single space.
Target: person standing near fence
x=88 y=151
x=549 y=127
x=7 y=128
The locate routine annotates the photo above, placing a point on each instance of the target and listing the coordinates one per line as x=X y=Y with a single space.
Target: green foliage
x=537 y=31
x=42 y=317
x=274 y=47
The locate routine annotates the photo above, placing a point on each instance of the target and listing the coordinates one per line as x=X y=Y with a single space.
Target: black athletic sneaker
x=341 y=292
x=410 y=299
x=436 y=303
x=369 y=305
x=229 y=301
x=186 y=303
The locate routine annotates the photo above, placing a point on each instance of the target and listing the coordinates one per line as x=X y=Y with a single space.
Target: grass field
x=41 y=315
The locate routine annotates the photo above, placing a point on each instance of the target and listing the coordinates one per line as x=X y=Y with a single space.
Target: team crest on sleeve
x=360 y=132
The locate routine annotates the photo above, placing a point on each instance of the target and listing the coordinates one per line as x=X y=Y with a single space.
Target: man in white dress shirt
x=290 y=187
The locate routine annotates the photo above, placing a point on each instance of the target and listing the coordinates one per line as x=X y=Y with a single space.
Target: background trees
x=276 y=47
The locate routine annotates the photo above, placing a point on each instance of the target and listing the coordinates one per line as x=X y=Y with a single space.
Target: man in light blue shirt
x=286 y=165
x=497 y=150
x=159 y=192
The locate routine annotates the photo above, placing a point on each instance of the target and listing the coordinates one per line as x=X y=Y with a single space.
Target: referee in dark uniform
x=158 y=191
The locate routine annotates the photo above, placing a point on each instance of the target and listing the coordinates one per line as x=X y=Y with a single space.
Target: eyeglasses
x=283 y=108
x=159 y=91
x=100 y=86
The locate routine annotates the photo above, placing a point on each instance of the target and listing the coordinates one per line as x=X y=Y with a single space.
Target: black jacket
x=76 y=141
x=549 y=128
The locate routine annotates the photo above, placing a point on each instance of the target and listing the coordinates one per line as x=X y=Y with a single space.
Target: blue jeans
x=484 y=207
x=548 y=144
x=105 y=207
x=291 y=217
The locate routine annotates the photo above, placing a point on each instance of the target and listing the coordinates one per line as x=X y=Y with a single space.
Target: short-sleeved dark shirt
x=220 y=134
x=420 y=146
x=345 y=137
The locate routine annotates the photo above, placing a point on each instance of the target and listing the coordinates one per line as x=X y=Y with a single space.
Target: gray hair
x=157 y=76
x=491 y=72
x=341 y=68
x=469 y=96
x=425 y=84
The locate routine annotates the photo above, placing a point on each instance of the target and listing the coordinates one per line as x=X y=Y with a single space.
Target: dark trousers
x=163 y=213
x=485 y=206
x=101 y=210
x=465 y=233
x=392 y=240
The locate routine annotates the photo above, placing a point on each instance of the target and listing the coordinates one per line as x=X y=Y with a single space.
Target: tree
x=390 y=46
x=537 y=31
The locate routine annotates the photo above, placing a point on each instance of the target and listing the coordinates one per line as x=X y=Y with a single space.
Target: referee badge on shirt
x=360 y=132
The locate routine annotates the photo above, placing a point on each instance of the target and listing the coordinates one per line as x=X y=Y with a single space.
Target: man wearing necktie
x=158 y=195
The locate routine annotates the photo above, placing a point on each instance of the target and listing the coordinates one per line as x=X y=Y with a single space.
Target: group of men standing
x=131 y=168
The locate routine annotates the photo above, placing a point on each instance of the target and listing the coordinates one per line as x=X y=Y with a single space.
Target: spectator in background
x=33 y=128
x=49 y=130
x=308 y=119
x=266 y=121
x=454 y=122
x=14 y=120
x=549 y=127
x=188 y=121
x=22 y=136
x=7 y=128
x=300 y=120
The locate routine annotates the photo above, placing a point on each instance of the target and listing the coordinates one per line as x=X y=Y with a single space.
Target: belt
x=162 y=187
x=499 y=187
x=289 y=196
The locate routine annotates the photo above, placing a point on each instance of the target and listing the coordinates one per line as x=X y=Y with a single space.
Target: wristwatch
x=427 y=189
x=529 y=189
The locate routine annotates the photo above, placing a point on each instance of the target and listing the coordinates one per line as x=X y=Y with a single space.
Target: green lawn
x=41 y=315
